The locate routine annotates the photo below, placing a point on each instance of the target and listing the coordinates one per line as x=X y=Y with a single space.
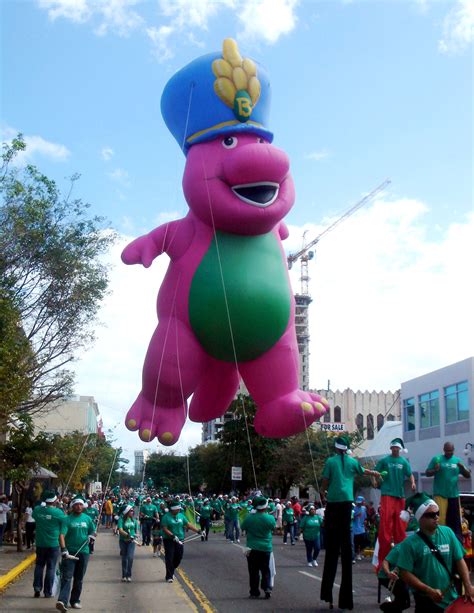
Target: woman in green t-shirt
x=127 y=528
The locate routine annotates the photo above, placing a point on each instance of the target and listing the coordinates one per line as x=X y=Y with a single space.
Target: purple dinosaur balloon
x=225 y=307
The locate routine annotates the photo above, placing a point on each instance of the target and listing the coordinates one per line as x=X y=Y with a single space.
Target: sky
x=361 y=91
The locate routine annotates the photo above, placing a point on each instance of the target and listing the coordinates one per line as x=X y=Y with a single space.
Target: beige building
x=77 y=413
x=363 y=411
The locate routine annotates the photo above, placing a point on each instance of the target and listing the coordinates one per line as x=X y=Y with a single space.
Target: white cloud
x=110 y=15
x=160 y=39
x=317 y=156
x=179 y=20
x=107 y=153
x=35 y=146
x=458 y=28
x=267 y=19
x=390 y=302
x=120 y=176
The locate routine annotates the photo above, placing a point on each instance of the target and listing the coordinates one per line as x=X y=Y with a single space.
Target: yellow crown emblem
x=236 y=81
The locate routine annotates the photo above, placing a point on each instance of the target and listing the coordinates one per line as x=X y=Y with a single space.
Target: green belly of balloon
x=239 y=301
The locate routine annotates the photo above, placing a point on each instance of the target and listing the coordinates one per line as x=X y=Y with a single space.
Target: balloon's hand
x=142 y=250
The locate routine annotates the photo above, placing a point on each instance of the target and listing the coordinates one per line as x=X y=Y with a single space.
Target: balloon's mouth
x=261 y=194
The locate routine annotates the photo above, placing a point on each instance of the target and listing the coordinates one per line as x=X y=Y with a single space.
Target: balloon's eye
x=260 y=140
x=230 y=142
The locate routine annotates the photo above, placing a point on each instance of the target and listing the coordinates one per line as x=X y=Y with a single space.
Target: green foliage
x=50 y=272
x=16 y=360
x=24 y=452
x=167 y=471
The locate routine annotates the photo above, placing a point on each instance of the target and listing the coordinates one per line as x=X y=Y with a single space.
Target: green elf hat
x=77 y=499
x=398 y=442
x=343 y=443
x=49 y=496
x=259 y=503
x=419 y=503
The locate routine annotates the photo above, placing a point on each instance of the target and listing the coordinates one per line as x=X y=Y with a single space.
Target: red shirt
x=297 y=509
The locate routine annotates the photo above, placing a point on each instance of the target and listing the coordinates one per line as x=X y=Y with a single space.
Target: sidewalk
x=13 y=563
x=103 y=589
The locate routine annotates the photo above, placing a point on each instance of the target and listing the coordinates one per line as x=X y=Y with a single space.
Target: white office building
x=438 y=407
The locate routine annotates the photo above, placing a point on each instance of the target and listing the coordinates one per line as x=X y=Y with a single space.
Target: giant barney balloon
x=225 y=307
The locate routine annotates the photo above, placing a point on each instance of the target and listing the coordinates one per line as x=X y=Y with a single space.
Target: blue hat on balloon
x=216 y=95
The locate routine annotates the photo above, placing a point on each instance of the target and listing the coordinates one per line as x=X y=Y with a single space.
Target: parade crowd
x=420 y=544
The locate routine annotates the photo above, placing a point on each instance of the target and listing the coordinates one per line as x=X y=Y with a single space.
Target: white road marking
x=303 y=572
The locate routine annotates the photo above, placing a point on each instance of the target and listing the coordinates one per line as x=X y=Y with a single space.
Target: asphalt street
x=219 y=568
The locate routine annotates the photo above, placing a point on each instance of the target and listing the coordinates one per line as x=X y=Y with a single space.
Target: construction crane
x=305 y=254
x=303 y=300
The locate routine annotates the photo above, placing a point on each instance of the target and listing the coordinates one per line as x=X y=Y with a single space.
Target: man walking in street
x=49 y=523
x=76 y=533
x=173 y=525
x=259 y=528
x=446 y=469
x=395 y=470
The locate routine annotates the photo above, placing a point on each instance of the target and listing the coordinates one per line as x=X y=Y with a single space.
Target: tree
x=50 y=275
x=168 y=471
x=23 y=454
x=16 y=359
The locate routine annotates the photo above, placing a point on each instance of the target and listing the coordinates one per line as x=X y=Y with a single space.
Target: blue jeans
x=127 y=551
x=289 y=529
x=45 y=556
x=234 y=530
x=73 y=571
x=312 y=549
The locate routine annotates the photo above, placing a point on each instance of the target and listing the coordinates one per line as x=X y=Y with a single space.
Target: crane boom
x=294 y=256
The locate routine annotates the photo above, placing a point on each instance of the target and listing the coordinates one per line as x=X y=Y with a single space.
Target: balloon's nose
x=255 y=163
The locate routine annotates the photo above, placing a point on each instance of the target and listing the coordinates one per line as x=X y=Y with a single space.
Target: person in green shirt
x=259 y=528
x=205 y=519
x=173 y=525
x=446 y=469
x=74 y=539
x=289 y=523
x=233 y=510
x=395 y=469
x=128 y=530
x=49 y=523
x=310 y=527
x=337 y=486
x=148 y=512
x=421 y=569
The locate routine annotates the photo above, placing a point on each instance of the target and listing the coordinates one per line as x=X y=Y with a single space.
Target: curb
x=5 y=580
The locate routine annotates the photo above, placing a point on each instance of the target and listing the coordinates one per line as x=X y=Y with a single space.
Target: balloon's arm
x=283 y=231
x=172 y=238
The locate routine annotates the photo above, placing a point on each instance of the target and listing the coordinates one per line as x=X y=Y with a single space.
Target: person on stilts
x=338 y=483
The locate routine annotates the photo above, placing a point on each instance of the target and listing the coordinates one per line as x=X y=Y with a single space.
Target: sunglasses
x=431 y=514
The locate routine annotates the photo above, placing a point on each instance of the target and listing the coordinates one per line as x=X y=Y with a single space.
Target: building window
x=429 y=409
x=327 y=416
x=360 y=423
x=337 y=414
x=391 y=418
x=370 y=427
x=409 y=413
x=456 y=402
x=380 y=422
